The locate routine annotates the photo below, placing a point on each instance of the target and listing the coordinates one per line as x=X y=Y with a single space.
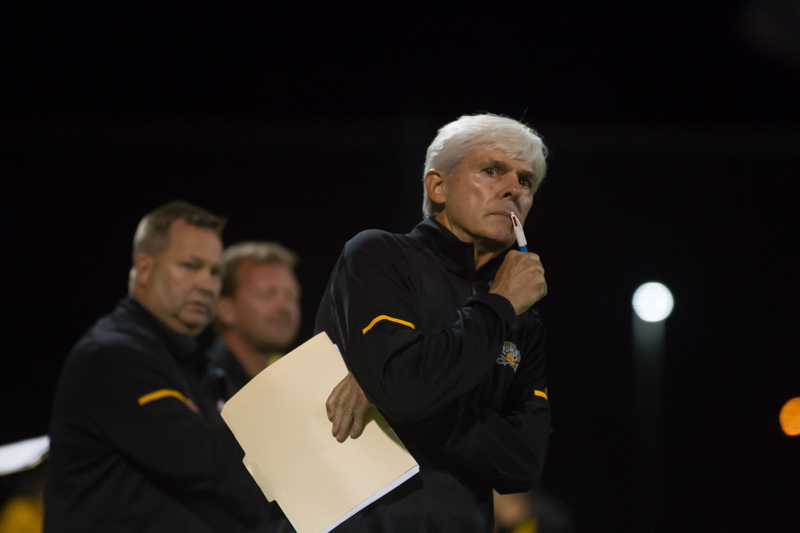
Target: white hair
x=456 y=139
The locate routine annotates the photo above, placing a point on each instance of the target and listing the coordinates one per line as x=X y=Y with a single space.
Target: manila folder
x=280 y=421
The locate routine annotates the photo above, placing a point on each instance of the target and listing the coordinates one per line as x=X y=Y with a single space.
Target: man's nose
x=285 y=302
x=511 y=186
x=208 y=282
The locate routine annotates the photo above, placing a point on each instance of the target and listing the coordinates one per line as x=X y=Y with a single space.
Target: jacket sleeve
x=132 y=402
x=409 y=374
x=415 y=377
x=506 y=450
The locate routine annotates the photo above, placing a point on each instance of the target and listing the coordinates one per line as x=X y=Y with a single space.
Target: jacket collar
x=457 y=256
x=223 y=363
x=182 y=347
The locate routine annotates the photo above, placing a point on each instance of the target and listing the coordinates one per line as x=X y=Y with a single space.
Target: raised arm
x=407 y=372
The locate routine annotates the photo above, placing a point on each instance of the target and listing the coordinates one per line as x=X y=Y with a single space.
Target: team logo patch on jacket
x=510 y=356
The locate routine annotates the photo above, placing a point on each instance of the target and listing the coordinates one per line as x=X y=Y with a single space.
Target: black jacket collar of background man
x=226 y=373
x=183 y=347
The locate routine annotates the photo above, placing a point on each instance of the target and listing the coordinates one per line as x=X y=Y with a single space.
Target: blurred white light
x=652 y=302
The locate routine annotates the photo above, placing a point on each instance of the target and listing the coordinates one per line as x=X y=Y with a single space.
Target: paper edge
x=414 y=470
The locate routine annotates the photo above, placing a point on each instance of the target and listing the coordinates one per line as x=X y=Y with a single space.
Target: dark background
x=675 y=153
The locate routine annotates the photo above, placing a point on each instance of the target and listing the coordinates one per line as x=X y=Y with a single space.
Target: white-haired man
x=258 y=312
x=437 y=329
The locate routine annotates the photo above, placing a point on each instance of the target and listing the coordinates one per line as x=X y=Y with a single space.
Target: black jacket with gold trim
x=136 y=443
x=456 y=373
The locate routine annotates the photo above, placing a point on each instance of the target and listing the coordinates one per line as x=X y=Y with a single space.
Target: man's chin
x=194 y=323
x=273 y=345
x=501 y=242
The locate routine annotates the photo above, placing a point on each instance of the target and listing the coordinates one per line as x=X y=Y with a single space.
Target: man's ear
x=144 y=267
x=226 y=311
x=434 y=185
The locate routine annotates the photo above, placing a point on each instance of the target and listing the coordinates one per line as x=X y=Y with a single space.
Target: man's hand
x=520 y=279
x=346 y=407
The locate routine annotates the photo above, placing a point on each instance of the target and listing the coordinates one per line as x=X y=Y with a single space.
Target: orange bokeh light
x=790 y=417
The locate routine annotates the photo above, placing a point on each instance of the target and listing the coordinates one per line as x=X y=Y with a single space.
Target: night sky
x=675 y=153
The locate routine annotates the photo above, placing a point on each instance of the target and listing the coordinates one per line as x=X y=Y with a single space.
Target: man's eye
x=490 y=171
x=525 y=183
x=268 y=294
x=190 y=266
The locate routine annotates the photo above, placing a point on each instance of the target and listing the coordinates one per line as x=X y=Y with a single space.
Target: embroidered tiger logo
x=510 y=356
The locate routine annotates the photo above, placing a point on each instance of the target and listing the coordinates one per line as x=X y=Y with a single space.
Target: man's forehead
x=253 y=269
x=185 y=237
x=488 y=152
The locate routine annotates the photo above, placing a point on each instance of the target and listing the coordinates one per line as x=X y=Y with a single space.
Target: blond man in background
x=258 y=312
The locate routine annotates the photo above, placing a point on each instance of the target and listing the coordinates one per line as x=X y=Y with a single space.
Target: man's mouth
x=280 y=320
x=199 y=306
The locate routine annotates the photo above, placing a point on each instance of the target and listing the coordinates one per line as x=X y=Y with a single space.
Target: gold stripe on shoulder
x=540 y=393
x=163 y=393
x=384 y=317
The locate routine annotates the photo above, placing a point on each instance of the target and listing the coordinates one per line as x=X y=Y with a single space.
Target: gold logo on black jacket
x=510 y=356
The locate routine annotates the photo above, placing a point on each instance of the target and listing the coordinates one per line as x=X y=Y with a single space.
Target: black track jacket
x=459 y=377
x=135 y=443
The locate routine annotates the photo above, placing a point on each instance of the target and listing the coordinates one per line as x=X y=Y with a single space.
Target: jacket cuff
x=499 y=304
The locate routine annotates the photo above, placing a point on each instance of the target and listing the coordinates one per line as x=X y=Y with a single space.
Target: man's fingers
x=346 y=407
x=330 y=403
x=329 y=408
x=345 y=422
x=343 y=417
x=339 y=414
x=358 y=417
